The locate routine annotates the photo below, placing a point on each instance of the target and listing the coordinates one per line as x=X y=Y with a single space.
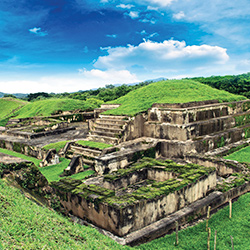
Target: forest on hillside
x=236 y=84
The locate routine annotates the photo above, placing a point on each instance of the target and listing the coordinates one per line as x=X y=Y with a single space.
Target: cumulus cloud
x=86 y=79
x=168 y=55
x=38 y=31
x=152 y=8
x=179 y=15
x=153 y=35
x=162 y=3
x=146 y=20
x=125 y=6
x=133 y=14
x=108 y=76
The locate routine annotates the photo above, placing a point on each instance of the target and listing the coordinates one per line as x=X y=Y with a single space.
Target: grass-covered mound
x=243 y=155
x=50 y=106
x=60 y=145
x=7 y=107
x=170 y=91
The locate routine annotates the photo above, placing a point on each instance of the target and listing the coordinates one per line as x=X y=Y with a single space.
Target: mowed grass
x=93 y=144
x=60 y=145
x=19 y=155
x=49 y=106
x=170 y=91
x=53 y=172
x=243 y=155
x=196 y=237
x=7 y=107
x=26 y=225
x=56 y=145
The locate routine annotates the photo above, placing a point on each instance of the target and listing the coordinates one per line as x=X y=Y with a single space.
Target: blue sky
x=70 y=45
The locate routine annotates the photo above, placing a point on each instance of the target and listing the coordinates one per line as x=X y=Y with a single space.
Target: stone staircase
x=109 y=129
x=88 y=154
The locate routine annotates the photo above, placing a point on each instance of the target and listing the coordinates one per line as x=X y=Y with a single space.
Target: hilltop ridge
x=169 y=91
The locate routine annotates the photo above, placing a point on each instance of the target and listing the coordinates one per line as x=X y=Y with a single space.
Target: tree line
x=236 y=84
x=108 y=93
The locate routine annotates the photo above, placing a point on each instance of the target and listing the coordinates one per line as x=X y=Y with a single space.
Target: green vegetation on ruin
x=93 y=144
x=48 y=107
x=239 y=180
x=242 y=155
x=56 y=145
x=53 y=172
x=19 y=155
x=7 y=107
x=187 y=174
x=15 y=108
x=26 y=225
x=170 y=91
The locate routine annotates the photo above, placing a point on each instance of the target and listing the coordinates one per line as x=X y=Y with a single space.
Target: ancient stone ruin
x=164 y=165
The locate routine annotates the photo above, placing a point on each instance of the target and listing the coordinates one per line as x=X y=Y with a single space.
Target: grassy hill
x=7 y=107
x=170 y=91
x=26 y=225
x=49 y=106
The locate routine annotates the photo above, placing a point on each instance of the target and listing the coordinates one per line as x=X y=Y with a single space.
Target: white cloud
x=69 y=83
x=152 y=8
x=133 y=14
x=38 y=31
x=125 y=6
x=153 y=35
x=167 y=56
x=145 y=20
x=179 y=15
x=112 y=36
x=225 y=21
x=108 y=76
x=162 y=3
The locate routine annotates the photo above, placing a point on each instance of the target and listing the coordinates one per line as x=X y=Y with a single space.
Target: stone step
x=105 y=139
x=85 y=151
x=114 y=117
x=88 y=161
x=104 y=133
x=100 y=123
x=111 y=121
x=111 y=129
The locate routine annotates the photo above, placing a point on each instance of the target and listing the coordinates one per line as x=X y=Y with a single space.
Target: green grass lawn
x=53 y=172
x=7 y=107
x=25 y=157
x=170 y=91
x=49 y=106
x=56 y=145
x=243 y=155
x=93 y=144
x=26 y=225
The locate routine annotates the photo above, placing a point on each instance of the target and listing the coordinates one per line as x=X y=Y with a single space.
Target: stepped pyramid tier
x=88 y=154
x=109 y=129
x=181 y=128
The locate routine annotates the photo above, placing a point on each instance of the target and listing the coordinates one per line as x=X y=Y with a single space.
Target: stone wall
x=223 y=167
x=23 y=148
x=123 y=220
x=121 y=159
